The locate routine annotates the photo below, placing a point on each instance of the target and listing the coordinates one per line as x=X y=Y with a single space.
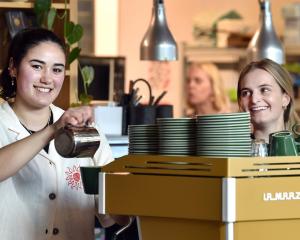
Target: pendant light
x=158 y=43
x=265 y=43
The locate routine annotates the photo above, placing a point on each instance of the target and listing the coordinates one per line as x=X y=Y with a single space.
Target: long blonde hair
x=283 y=79
x=220 y=99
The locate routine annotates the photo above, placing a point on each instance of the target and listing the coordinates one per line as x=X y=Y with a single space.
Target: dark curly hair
x=19 y=46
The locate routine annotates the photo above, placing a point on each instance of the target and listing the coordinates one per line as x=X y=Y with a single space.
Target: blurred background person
x=205 y=93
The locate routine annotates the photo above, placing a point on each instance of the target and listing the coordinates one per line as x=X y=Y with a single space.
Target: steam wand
x=117 y=233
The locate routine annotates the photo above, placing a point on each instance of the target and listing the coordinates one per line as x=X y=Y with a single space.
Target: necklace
x=50 y=121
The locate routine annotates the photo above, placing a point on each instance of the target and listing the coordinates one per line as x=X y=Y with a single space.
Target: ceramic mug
x=142 y=114
x=89 y=177
x=164 y=111
x=282 y=144
x=297 y=134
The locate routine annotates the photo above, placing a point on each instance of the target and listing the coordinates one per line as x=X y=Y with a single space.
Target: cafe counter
x=211 y=198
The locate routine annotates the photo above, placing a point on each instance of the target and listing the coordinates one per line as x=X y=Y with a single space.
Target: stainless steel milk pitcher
x=72 y=141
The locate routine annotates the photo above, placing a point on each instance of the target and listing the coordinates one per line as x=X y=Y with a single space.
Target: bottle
x=265 y=43
x=72 y=141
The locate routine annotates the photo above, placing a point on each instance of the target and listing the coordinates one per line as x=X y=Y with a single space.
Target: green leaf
x=292 y=67
x=73 y=33
x=41 y=8
x=232 y=93
x=232 y=14
x=75 y=104
x=51 y=18
x=42 y=5
x=69 y=28
x=88 y=75
x=85 y=98
x=46 y=16
x=40 y=19
x=73 y=54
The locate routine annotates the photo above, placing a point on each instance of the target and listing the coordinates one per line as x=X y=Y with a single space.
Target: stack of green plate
x=177 y=136
x=143 y=139
x=224 y=135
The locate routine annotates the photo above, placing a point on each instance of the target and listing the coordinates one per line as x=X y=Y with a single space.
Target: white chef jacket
x=45 y=199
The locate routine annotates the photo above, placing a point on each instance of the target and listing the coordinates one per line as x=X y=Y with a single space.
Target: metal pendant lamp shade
x=158 y=43
x=265 y=43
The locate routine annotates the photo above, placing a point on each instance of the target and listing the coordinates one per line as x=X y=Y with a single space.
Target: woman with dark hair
x=265 y=89
x=41 y=192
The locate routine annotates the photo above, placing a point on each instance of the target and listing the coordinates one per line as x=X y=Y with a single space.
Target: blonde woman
x=205 y=92
x=265 y=89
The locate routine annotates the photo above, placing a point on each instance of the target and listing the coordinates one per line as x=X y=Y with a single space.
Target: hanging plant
x=46 y=15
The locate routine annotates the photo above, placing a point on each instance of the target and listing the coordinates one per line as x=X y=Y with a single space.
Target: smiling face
x=40 y=75
x=261 y=95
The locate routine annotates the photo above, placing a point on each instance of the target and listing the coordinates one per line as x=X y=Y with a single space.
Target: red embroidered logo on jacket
x=73 y=177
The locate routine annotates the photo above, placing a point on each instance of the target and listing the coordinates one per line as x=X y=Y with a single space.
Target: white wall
x=134 y=18
x=106 y=27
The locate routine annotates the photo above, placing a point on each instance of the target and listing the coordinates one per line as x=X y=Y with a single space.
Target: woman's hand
x=78 y=116
x=24 y=150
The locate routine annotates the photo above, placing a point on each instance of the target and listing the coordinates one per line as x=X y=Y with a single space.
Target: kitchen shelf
x=226 y=55
x=292 y=51
x=211 y=54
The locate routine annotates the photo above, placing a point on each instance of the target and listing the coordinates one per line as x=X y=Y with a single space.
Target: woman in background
x=41 y=192
x=205 y=91
x=265 y=89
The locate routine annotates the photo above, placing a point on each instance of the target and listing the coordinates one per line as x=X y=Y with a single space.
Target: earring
x=13 y=79
x=284 y=107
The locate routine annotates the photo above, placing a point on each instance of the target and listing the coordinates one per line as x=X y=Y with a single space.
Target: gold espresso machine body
x=195 y=198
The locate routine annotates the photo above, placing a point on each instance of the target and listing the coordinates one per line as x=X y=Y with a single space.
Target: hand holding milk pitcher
x=71 y=141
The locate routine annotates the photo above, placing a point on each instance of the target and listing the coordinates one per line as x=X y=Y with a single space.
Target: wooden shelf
x=292 y=50
x=213 y=54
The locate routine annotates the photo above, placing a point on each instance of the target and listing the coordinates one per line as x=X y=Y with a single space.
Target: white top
x=45 y=199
